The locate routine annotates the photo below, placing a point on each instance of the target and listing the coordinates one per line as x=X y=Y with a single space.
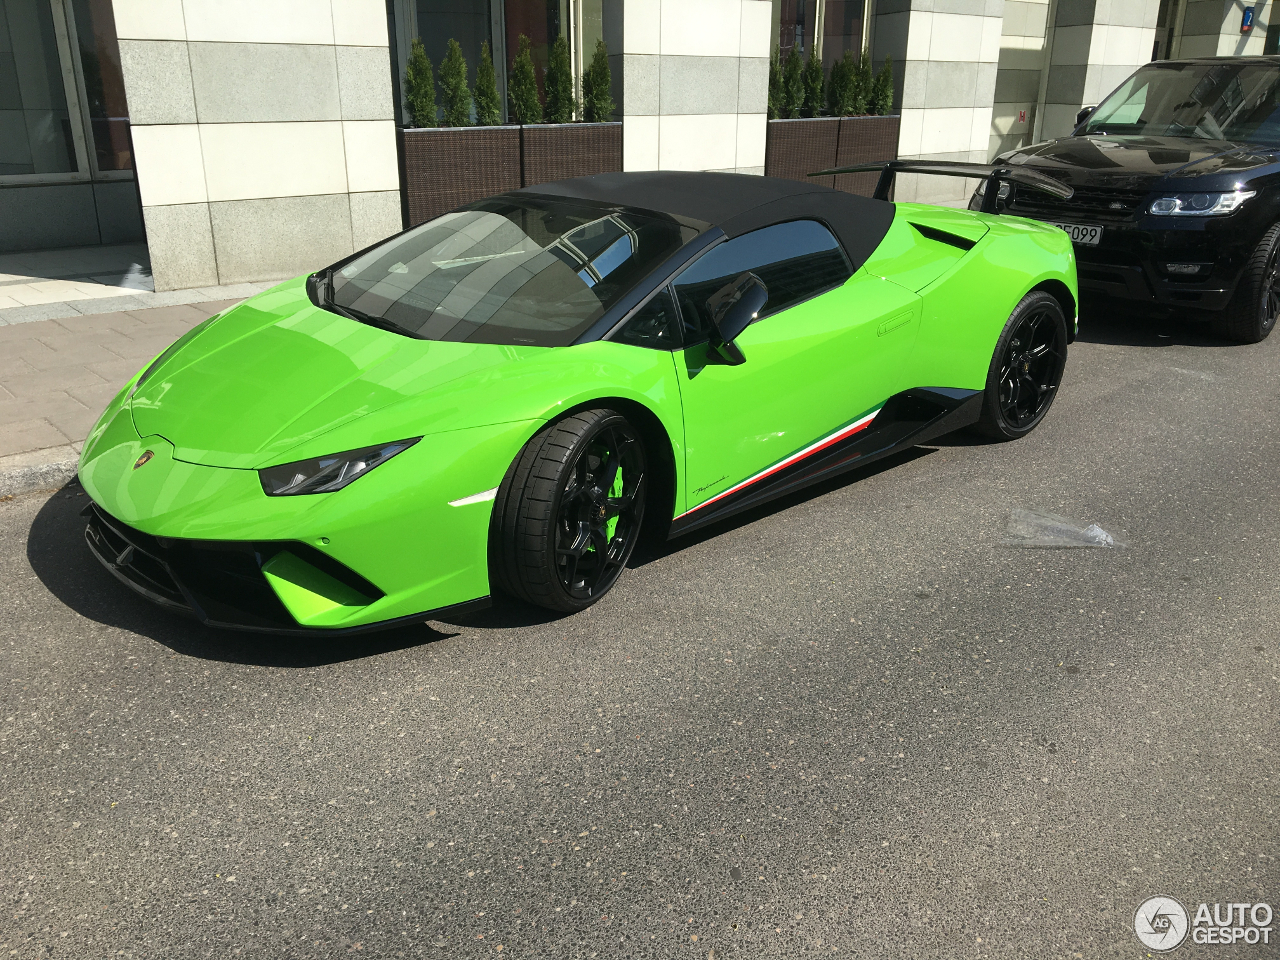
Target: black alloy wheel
x=570 y=511
x=1251 y=315
x=1026 y=369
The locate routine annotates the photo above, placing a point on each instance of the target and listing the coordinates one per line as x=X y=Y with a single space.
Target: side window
x=654 y=325
x=796 y=260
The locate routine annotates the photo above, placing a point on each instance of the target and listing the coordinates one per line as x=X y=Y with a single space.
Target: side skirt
x=913 y=417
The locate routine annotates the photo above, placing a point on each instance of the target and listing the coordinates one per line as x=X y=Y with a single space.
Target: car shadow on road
x=1129 y=328
x=57 y=553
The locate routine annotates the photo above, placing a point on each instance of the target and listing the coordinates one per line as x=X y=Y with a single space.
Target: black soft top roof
x=737 y=203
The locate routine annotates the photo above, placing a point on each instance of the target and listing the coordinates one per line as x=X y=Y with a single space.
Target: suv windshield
x=1213 y=101
x=511 y=270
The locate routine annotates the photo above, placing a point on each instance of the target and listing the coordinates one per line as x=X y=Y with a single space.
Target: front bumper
x=207 y=541
x=239 y=584
x=1128 y=262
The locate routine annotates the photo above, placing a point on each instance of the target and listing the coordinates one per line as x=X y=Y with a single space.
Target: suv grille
x=1114 y=203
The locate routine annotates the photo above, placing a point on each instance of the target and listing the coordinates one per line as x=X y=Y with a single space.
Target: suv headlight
x=1002 y=193
x=1199 y=204
x=326 y=474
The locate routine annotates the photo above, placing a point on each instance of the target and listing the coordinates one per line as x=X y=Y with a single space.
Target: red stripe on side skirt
x=817 y=447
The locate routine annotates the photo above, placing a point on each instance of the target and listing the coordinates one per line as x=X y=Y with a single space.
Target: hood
x=1141 y=162
x=276 y=372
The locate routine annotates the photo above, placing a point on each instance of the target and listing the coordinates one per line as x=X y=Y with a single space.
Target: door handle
x=894 y=322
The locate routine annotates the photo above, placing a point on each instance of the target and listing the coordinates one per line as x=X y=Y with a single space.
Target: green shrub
x=522 y=90
x=453 y=83
x=561 y=105
x=597 y=98
x=420 y=86
x=844 y=88
x=486 y=96
x=814 y=82
x=792 y=85
x=775 y=85
x=881 y=99
x=862 y=85
x=836 y=83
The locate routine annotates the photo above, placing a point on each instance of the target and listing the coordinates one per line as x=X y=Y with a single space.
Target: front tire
x=1026 y=369
x=1251 y=314
x=569 y=512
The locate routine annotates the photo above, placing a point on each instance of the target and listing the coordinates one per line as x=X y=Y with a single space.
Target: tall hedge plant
x=880 y=100
x=420 y=86
x=453 y=83
x=815 y=82
x=776 y=97
x=597 y=81
x=485 y=97
x=524 y=106
x=561 y=103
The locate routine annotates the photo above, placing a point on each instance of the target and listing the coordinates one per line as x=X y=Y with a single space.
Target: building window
x=842 y=32
x=500 y=23
x=832 y=28
x=62 y=107
x=35 y=124
x=103 y=82
x=795 y=25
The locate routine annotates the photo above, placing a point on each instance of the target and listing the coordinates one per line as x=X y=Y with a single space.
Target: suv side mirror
x=733 y=308
x=1084 y=115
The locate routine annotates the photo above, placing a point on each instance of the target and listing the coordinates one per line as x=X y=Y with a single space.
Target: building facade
x=256 y=139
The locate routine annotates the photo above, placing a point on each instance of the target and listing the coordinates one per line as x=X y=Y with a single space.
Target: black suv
x=1177 y=191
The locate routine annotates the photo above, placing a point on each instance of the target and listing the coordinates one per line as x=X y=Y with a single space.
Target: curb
x=32 y=477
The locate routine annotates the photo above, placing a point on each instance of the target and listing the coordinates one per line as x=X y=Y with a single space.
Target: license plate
x=1080 y=233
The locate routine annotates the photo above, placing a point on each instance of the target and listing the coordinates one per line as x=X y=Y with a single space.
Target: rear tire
x=1251 y=315
x=569 y=512
x=1026 y=368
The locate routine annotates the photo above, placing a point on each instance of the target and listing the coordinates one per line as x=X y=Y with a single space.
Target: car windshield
x=510 y=270
x=1213 y=101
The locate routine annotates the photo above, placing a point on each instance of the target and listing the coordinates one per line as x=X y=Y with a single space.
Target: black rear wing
x=993 y=174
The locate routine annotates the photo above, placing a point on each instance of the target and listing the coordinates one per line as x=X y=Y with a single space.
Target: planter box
x=564 y=150
x=796 y=148
x=446 y=167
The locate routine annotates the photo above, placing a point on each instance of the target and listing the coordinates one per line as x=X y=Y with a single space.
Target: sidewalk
x=79 y=281
x=56 y=376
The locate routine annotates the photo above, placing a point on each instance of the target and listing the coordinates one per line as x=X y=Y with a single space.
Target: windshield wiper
x=359 y=316
x=352 y=313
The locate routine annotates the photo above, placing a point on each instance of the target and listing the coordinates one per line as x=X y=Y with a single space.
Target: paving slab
x=57 y=375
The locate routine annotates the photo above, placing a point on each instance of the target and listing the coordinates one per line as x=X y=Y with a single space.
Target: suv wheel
x=1251 y=314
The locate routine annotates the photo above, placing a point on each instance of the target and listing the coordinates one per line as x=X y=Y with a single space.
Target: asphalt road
x=853 y=724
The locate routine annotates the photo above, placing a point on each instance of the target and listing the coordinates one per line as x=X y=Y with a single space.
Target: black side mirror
x=1084 y=115
x=733 y=308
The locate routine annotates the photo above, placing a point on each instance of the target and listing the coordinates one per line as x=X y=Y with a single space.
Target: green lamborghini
x=507 y=397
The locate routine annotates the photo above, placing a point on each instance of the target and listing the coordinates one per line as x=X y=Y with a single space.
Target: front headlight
x=1199 y=204
x=326 y=474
